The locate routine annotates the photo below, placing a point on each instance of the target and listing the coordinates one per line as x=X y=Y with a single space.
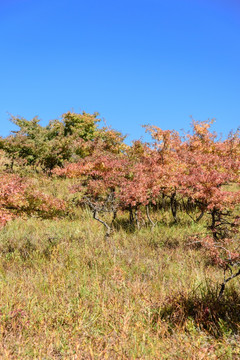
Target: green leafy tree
x=61 y=140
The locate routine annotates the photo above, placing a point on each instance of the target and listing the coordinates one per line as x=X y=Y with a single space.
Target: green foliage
x=80 y=125
x=72 y=137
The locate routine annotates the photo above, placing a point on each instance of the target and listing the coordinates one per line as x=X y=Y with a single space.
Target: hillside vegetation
x=111 y=251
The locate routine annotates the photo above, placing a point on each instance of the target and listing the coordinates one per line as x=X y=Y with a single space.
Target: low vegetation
x=110 y=251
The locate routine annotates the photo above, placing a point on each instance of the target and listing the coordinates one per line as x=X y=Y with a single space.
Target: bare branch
x=226 y=281
x=149 y=218
x=95 y=216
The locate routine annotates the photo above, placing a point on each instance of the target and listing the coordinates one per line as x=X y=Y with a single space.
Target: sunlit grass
x=69 y=293
x=66 y=293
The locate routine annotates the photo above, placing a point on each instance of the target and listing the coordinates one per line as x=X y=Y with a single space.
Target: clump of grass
x=219 y=317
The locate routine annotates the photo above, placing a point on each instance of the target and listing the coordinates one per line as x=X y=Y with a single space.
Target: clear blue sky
x=133 y=61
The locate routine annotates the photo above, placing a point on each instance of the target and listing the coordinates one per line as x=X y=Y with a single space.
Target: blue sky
x=133 y=61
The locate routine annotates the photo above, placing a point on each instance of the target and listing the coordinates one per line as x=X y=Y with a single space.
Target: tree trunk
x=174 y=206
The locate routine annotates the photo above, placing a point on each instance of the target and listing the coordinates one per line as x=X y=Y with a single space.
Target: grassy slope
x=66 y=293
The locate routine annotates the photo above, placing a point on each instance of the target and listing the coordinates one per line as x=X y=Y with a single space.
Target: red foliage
x=18 y=196
x=196 y=168
x=12 y=190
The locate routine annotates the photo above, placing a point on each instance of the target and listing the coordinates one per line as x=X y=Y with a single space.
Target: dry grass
x=66 y=293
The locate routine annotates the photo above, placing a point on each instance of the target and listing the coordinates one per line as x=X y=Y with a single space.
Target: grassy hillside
x=68 y=293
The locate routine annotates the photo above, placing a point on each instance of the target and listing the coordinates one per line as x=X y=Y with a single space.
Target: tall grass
x=66 y=293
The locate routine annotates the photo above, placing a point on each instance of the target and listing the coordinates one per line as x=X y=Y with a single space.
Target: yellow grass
x=66 y=293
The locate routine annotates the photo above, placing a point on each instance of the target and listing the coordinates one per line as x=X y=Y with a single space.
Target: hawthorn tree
x=99 y=178
x=167 y=146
